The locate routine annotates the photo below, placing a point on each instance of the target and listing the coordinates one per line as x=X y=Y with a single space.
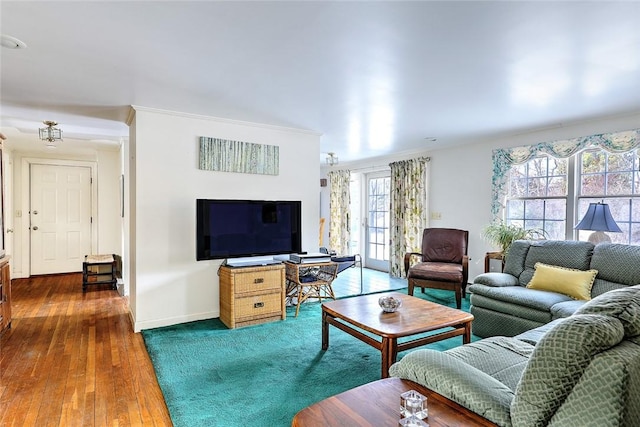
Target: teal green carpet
x=261 y=375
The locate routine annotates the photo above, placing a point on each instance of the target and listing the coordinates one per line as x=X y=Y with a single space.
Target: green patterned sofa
x=503 y=305
x=583 y=370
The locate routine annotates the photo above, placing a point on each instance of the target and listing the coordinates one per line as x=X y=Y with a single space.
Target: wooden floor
x=71 y=359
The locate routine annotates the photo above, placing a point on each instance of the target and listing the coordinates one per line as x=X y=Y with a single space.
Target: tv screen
x=242 y=228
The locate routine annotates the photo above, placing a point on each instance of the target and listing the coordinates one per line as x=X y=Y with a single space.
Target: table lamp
x=598 y=219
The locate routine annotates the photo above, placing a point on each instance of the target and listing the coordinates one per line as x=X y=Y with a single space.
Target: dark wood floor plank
x=71 y=359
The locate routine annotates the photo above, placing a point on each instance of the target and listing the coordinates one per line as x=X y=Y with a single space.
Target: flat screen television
x=244 y=228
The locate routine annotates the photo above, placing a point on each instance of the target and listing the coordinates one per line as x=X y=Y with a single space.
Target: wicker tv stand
x=251 y=295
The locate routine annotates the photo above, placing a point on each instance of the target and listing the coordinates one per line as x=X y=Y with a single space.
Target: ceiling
x=373 y=77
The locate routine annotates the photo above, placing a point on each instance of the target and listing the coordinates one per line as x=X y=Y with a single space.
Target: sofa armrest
x=458 y=381
x=496 y=279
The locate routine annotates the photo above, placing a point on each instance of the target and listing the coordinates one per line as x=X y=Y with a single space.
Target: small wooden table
x=378 y=404
x=416 y=316
x=493 y=255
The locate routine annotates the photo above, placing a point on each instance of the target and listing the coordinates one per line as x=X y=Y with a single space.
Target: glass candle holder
x=389 y=304
x=412 y=422
x=413 y=404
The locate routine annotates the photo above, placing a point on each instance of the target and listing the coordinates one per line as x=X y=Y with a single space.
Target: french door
x=378 y=217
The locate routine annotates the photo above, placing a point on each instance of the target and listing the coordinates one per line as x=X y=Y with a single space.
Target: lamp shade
x=598 y=218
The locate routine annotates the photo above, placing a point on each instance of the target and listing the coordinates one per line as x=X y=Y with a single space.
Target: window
x=537 y=196
x=544 y=193
x=613 y=179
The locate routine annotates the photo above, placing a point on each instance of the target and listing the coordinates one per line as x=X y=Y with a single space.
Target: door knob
x=34 y=228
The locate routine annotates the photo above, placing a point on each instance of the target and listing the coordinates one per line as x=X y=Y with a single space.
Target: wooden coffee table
x=416 y=316
x=378 y=404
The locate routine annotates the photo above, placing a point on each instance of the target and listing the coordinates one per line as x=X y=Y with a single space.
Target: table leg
x=466 y=338
x=389 y=354
x=325 y=331
x=300 y=298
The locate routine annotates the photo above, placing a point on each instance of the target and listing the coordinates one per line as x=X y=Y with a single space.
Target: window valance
x=505 y=158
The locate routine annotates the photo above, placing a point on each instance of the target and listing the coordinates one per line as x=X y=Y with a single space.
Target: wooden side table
x=493 y=255
x=99 y=270
x=311 y=280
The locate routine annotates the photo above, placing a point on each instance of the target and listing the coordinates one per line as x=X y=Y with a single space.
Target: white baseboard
x=159 y=323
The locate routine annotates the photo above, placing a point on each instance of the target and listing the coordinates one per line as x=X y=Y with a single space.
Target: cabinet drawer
x=257 y=306
x=258 y=281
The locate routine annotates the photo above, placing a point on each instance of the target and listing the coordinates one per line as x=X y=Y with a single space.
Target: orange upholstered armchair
x=443 y=262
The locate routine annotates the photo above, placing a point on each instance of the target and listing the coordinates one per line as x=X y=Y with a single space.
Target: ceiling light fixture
x=51 y=133
x=332 y=159
x=11 y=42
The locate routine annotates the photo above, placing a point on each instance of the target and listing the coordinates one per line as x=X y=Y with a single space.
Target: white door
x=377 y=233
x=60 y=218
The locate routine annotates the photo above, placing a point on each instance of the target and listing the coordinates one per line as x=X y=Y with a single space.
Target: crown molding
x=135 y=108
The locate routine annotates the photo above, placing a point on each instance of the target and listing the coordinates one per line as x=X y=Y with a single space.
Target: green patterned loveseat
x=583 y=370
x=503 y=305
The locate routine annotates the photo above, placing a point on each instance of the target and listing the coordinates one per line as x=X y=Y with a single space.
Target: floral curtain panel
x=505 y=158
x=339 y=205
x=408 y=210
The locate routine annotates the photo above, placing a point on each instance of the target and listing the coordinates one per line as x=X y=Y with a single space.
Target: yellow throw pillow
x=568 y=281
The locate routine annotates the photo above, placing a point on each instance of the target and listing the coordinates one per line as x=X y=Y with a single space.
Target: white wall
x=109 y=219
x=170 y=286
x=460 y=190
x=460 y=177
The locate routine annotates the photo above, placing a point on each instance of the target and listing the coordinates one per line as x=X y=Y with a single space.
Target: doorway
x=60 y=226
x=377 y=235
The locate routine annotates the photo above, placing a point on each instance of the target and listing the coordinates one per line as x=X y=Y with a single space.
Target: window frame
x=527 y=198
x=574 y=196
x=625 y=224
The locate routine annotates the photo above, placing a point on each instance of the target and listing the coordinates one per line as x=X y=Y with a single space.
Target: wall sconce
x=598 y=219
x=51 y=133
x=332 y=159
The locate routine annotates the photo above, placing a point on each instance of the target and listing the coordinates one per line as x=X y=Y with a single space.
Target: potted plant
x=502 y=234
